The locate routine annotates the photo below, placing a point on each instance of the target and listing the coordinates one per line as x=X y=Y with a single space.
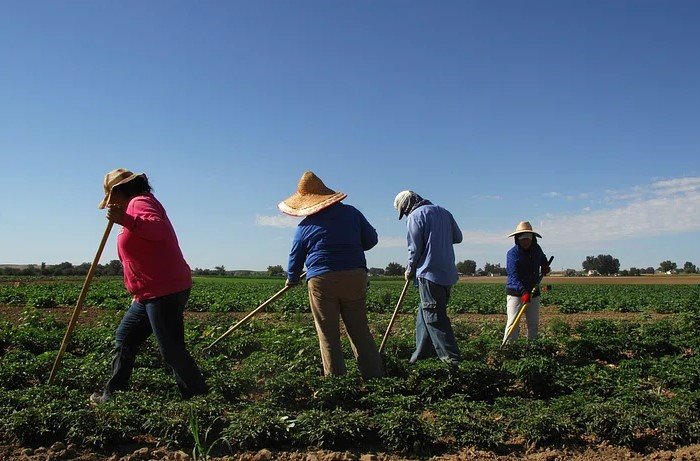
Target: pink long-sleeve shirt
x=150 y=254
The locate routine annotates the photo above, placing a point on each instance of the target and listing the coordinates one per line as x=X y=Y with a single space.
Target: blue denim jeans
x=434 y=334
x=163 y=317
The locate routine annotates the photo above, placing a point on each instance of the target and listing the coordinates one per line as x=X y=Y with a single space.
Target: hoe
x=393 y=317
x=252 y=313
x=79 y=303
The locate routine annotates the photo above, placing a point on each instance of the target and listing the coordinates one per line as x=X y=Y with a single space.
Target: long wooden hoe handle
x=515 y=323
x=79 y=303
x=393 y=317
x=252 y=313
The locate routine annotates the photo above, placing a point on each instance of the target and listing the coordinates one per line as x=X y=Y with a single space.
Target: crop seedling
x=202 y=446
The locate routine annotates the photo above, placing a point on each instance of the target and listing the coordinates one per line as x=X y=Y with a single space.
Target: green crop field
x=243 y=294
x=632 y=382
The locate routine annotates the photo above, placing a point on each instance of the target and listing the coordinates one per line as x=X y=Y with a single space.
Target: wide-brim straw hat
x=311 y=197
x=523 y=227
x=113 y=179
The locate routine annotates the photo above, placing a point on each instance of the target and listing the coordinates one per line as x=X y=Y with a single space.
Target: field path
x=90 y=316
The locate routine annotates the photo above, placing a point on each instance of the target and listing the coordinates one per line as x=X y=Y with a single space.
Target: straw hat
x=311 y=197
x=523 y=227
x=113 y=179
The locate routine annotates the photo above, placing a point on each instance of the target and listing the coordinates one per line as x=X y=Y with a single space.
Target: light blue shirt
x=431 y=233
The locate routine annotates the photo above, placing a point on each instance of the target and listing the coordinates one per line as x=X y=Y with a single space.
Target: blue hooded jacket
x=523 y=268
x=334 y=239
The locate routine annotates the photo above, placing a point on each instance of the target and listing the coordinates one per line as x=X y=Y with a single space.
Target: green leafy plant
x=202 y=445
x=258 y=425
x=403 y=430
x=334 y=429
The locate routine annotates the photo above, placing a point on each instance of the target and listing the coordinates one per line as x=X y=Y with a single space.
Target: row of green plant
x=634 y=384
x=243 y=294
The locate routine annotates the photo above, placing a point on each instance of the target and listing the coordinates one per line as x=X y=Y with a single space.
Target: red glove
x=546 y=270
x=525 y=298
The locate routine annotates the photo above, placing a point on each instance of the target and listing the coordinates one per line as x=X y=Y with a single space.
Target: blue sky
x=581 y=117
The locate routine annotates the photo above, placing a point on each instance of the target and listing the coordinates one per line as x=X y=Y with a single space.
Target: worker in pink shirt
x=158 y=278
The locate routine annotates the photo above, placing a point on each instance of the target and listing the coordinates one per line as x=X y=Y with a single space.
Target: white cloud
x=487 y=197
x=277 y=221
x=483 y=238
x=391 y=242
x=580 y=196
x=676 y=186
x=690 y=180
x=615 y=196
x=665 y=207
x=662 y=208
x=644 y=217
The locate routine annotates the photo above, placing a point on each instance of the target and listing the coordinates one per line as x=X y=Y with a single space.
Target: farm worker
x=158 y=278
x=432 y=232
x=523 y=265
x=331 y=241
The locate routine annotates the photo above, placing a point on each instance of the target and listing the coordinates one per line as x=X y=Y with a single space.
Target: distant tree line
x=221 y=271
x=607 y=265
x=113 y=267
x=600 y=265
x=218 y=270
x=466 y=267
x=670 y=266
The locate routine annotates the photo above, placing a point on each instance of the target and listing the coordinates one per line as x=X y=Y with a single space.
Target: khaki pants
x=343 y=294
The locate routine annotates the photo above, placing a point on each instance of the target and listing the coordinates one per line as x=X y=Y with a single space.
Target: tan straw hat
x=523 y=227
x=113 y=179
x=311 y=197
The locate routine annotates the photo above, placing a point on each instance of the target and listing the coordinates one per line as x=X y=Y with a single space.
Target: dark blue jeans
x=164 y=318
x=434 y=334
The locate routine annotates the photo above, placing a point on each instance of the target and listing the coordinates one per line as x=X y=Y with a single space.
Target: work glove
x=115 y=214
x=289 y=283
x=546 y=270
x=525 y=298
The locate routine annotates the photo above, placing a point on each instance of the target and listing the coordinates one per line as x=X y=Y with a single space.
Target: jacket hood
x=534 y=242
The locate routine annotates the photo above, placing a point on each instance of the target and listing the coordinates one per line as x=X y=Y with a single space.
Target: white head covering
x=400 y=198
x=405 y=201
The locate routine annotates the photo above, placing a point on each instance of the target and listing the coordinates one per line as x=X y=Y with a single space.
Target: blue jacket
x=523 y=268
x=431 y=233
x=333 y=239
